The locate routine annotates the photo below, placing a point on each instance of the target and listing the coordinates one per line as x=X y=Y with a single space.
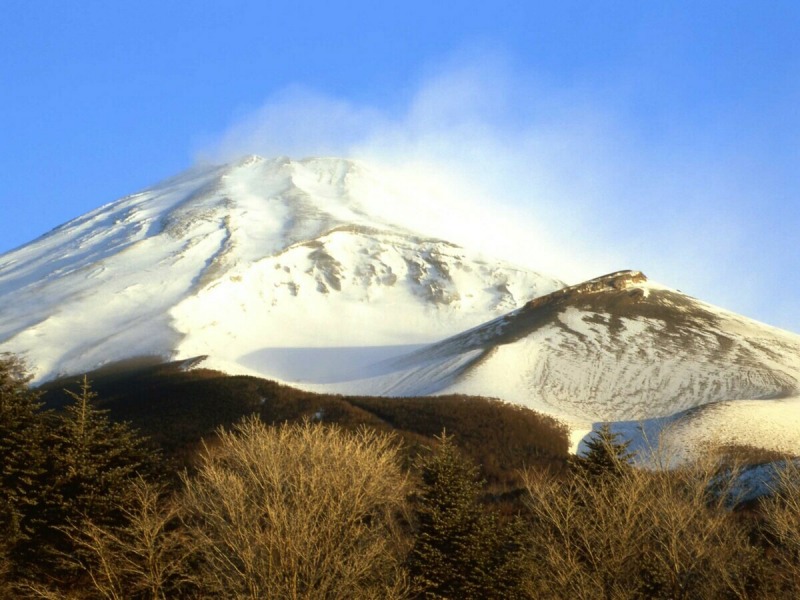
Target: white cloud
x=297 y=122
x=552 y=178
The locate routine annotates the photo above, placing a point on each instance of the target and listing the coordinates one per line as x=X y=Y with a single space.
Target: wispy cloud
x=298 y=122
x=557 y=179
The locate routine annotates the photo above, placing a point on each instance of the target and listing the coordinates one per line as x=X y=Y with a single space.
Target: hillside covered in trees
x=152 y=482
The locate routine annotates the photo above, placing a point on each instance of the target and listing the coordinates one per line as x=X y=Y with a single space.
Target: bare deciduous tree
x=303 y=511
x=656 y=534
x=585 y=548
x=146 y=558
x=781 y=512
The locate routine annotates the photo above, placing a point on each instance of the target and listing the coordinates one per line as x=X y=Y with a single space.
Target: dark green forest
x=150 y=481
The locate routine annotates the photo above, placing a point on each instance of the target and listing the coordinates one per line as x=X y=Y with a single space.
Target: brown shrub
x=654 y=534
x=148 y=556
x=178 y=408
x=742 y=455
x=299 y=511
x=781 y=518
x=502 y=438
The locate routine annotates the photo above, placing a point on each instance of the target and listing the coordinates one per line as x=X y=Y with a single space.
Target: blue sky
x=663 y=136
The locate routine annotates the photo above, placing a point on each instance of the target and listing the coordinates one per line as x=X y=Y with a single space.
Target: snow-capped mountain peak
x=297 y=271
x=232 y=260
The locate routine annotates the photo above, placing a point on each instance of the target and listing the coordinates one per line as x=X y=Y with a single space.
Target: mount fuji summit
x=286 y=269
x=271 y=267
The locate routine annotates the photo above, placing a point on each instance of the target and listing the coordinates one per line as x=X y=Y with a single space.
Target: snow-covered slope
x=291 y=270
x=625 y=350
x=236 y=261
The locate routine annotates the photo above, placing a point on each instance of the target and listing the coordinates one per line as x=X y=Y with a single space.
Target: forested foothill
x=148 y=481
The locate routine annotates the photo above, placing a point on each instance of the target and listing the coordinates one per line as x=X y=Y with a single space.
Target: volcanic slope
x=252 y=264
x=625 y=350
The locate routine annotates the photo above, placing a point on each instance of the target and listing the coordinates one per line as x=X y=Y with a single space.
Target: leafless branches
x=299 y=512
x=637 y=534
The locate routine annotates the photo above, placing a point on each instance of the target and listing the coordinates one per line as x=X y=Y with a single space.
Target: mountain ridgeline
x=294 y=270
x=230 y=261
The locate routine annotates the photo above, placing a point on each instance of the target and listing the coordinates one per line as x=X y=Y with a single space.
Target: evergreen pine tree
x=607 y=454
x=22 y=457
x=92 y=462
x=461 y=551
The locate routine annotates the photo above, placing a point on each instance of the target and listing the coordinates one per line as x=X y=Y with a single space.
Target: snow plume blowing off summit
x=469 y=176
x=559 y=178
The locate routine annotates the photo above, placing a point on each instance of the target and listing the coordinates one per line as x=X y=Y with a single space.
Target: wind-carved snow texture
x=233 y=261
x=624 y=350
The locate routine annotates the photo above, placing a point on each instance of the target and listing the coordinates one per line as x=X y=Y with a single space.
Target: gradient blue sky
x=663 y=136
